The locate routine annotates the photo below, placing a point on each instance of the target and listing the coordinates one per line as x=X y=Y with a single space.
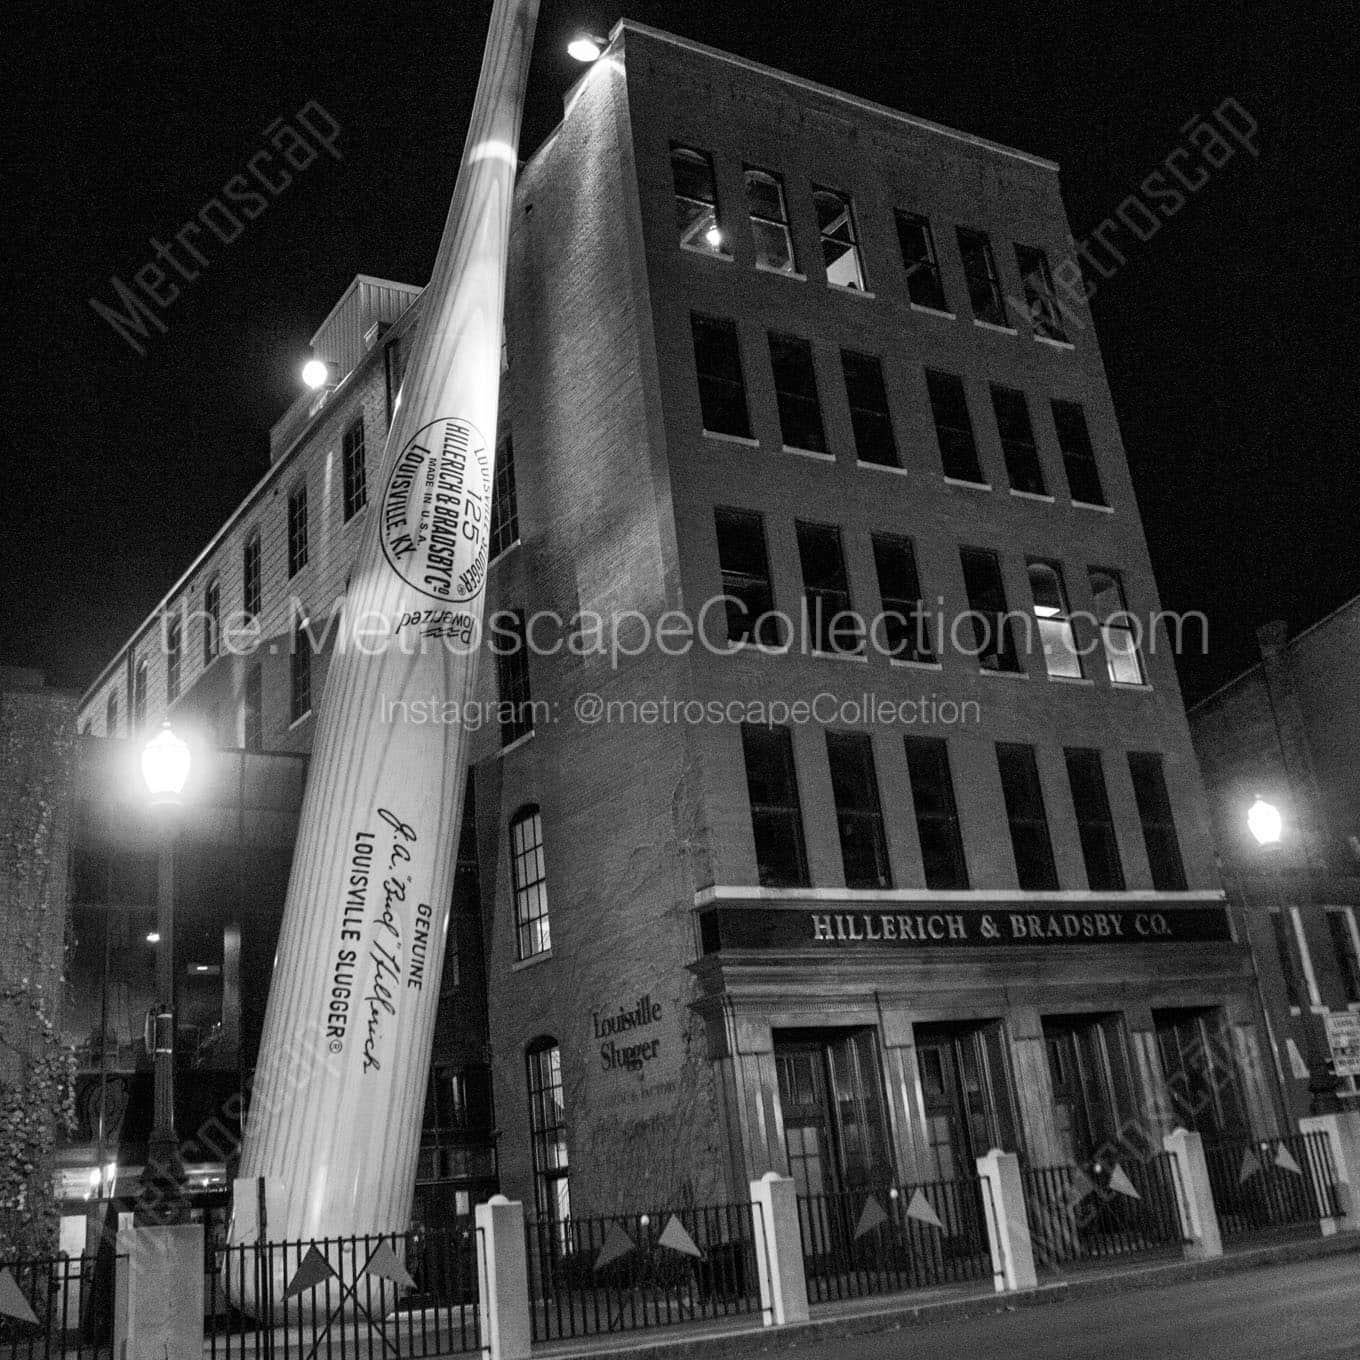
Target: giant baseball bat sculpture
x=334 y=1124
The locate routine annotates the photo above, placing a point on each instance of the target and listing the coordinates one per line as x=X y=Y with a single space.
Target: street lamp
x=1264 y=822
x=585 y=48
x=165 y=770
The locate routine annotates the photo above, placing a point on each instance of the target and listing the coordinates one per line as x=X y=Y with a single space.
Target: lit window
x=504 y=506
x=776 y=818
x=139 y=682
x=1039 y=295
x=906 y=626
x=769 y=222
x=1017 y=441
x=795 y=388
x=355 y=479
x=722 y=388
x=1095 y=825
x=1054 y=619
x=924 y=285
x=979 y=270
x=297 y=529
x=869 y=415
x=512 y=680
x=548 y=1131
x=937 y=816
x=840 y=246
x=1028 y=820
x=696 y=201
x=953 y=428
x=174 y=652
x=212 y=620
x=1159 y=827
x=250 y=576
x=835 y=628
x=859 y=815
x=529 y=877
x=745 y=567
x=300 y=674
x=111 y=715
x=1079 y=459
x=1117 y=628
x=987 y=606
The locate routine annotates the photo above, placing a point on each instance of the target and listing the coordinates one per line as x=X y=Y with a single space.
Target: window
x=529 y=877
x=953 y=427
x=1040 y=298
x=859 y=818
x=548 y=1131
x=769 y=222
x=906 y=627
x=352 y=458
x=869 y=417
x=467 y=893
x=937 y=817
x=924 y=285
x=174 y=653
x=795 y=388
x=512 y=680
x=979 y=270
x=1053 y=616
x=1341 y=925
x=1117 y=628
x=139 y=681
x=746 y=578
x=826 y=592
x=297 y=529
x=111 y=714
x=394 y=366
x=250 y=576
x=1017 y=441
x=212 y=620
x=1159 y=828
x=1079 y=459
x=1024 y=797
x=722 y=389
x=696 y=201
x=840 y=246
x=1279 y=926
x=300 y=674
x=1095 y=826
x=776 y=820
x=504 y=506
x=987 y=604
x=252 y=710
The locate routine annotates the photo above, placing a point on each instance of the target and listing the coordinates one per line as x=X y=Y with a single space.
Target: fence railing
x=404 y=1295
x=626 y=1272
x=1263 y=1185
x=48 y=1310
x=889 y=1238
x=1090 y=1213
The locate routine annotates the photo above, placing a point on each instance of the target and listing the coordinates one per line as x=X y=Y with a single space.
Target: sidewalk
x=890 y=1312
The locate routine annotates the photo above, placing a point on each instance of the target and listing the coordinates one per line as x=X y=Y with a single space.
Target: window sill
x=1032 y=495
x=1004 y=675
x=1072 y=679
x=1139 y=687
x=810 y=453
x=894 y=468
x=971 y=486
x=1055 y=344
x=1091 y=505
x=861 y=657
x=297 y=722
x=518 y=742
x=1317 y=1008
x=761 y=648
x=543 y=956
x=744 y=440
x=932 y=311
x=781 y=273
x=504 y=552
x=854 y=292
x=722 y=255
x=994 y=326
x=908 y=665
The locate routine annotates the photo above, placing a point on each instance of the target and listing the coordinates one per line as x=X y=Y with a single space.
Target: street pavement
x=1307 y=1310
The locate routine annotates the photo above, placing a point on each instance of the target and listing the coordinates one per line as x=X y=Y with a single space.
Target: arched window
x=529 y=876
x=1055 y=624
x=548 y=1128
x=111 y=715
x=139 y=675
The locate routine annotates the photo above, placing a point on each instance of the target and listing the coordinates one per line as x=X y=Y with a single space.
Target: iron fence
x=890 y=1238
x=626 y=1272
x=1102 y=1210
x=353 y=1298
x=46 y=1310
x=1272 y=1184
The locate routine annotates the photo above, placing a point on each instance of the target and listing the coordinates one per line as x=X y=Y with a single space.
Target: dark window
x=1017 y=440
x=297 y=529
x=722 y=389
x=504 y=506
x=696 y=201
x=1159 y=827
x=139 y=679
x=352 y=458
x=859 y=817
x=300 y=674
x=512 y=680
x=548 y=1132
x=979 y=269
x=1079 y=459
x=746 y=578
x=1054 y=620
x=1025 y=812
x=795 y=388
x=987 y=604
x=769 y=221
x=924 y=285
x=953 y=427
x=212 y=620
x=826 y=592
x=840 y=246
x=906 y=626
x=530 y=878
x=1095 y=826
x=937 y=817
x=1039 y=295
x=1282 y=929
x=1117 y=627
x=250 y=576
x=394 y=366
x=869 y=417
x=111 y=715
x=174 y=655
x=252 y=711
x=1347 y=961
x=776 y=819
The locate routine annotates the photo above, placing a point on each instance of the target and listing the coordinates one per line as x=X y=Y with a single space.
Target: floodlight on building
x=165 y=766
x=714 y=237
x=1264 y=822
x=585 y=48
x=316 y=374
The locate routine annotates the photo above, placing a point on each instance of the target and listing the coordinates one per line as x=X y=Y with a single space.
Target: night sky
x=1229 y=336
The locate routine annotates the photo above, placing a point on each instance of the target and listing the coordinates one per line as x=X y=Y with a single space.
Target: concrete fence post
x=503 y=1289
x=1003 y=1203
x=779 y=1249
x=1343 y=1136
x=1194 y=1195
x=158 y=1292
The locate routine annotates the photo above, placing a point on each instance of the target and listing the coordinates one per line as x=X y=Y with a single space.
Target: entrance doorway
x=831 y=1096
x=966 y=1094
x=1088 y=1067
x=1200 y=1072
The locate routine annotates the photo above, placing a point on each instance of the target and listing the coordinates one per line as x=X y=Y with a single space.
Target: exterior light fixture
x=316 y=374
x=165 y=767
x=153 y=937
x=585 y=48
x=713 y=236
x=1264 y=822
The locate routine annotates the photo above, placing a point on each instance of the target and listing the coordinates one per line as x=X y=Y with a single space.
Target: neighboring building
x=1287 y=731
x=768 y=341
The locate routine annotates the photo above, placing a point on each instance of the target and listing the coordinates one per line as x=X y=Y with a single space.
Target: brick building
x=769 y=342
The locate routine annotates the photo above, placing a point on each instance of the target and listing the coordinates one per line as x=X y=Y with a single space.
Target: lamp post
x=165 y=768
